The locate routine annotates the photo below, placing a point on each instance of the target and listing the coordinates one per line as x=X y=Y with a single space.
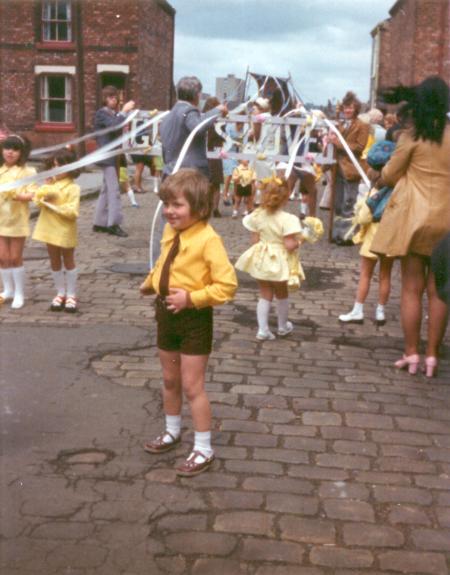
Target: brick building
x=56 y=55
x=410 y=45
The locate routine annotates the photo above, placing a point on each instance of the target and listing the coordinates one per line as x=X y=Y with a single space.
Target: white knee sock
x=8 y=284
x=202 y=443
x=19 y=284
x=173 y=426
x=282 y=312
x=71 y=281
x=58 y=280
x=262 y=314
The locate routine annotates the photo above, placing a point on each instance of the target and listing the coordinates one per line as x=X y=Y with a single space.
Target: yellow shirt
x=244 y=175
x=57 y=222
x=14 y=215
x=201 y=266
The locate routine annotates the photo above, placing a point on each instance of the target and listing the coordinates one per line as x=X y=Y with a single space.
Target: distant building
x=57 y=55
x=410 y=45
x=230 y=89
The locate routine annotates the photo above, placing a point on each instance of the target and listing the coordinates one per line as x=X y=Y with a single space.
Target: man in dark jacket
x=179 y=123
x=108 y=212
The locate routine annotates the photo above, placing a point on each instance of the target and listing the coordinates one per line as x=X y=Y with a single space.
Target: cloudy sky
x=324 y=44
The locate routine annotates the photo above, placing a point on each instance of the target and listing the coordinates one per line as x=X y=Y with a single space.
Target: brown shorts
x=190 y=331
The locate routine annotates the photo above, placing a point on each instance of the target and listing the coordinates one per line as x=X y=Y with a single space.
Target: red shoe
x=189 y=467
x=409 y=362
x=158 y=445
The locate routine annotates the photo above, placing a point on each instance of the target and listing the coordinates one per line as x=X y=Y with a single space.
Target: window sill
x=54 y=127
x=59 y=46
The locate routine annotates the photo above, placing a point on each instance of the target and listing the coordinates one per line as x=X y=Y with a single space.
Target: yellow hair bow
x=272 y=180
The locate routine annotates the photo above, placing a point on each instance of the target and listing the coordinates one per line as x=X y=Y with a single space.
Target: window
x=57 y=21
x=56 y=98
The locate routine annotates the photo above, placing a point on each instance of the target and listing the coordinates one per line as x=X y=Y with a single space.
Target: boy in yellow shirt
x=192 y=274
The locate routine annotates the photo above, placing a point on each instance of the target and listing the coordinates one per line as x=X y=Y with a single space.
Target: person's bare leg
x=172 y=390
x=413 y=286
x=384 y=288
x=193 y=370
x=365 y=275
x=437 y=318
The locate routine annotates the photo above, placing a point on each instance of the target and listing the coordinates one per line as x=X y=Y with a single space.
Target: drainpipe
x=80 y=75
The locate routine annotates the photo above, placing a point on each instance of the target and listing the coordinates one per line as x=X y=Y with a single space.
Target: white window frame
x=45 y=99
x=47 y=20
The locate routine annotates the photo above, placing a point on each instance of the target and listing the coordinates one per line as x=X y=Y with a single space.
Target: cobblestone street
x=329 y=461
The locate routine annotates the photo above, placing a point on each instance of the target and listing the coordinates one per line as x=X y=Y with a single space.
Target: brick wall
x=137 y=33
x=415 y=42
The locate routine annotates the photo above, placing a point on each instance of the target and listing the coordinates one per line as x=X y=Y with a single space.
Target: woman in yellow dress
x=59 y=202
x=14 y=217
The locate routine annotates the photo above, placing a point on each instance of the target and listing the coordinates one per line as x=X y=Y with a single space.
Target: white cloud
x=324 y=44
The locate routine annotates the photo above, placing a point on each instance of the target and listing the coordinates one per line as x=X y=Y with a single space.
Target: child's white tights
x=282 y=313
x=262 y=314
x=61 y=280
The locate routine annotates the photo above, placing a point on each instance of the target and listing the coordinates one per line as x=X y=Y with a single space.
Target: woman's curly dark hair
x=426 y=104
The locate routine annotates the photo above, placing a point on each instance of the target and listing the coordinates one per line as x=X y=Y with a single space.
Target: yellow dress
x=268 y=259
x=57 y=222
x=14 y=215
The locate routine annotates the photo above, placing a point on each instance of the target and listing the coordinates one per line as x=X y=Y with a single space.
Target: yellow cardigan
x=201 y=267
x=57 y=222
x=14 y=215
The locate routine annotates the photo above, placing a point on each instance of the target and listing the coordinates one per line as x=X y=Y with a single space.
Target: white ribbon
x=97 y=156
x=41 y=151
x=178 y=163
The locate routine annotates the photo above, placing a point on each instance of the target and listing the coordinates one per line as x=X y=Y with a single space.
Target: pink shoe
x=410 y=362
x=430 y=367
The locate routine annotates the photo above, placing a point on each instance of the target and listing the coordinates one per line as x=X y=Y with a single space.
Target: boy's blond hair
x=193 y=186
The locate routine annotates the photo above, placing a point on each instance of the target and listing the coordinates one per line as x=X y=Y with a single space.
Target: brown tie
x=165 y=272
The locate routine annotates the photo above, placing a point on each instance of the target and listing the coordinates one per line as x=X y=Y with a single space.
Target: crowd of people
x=404 y=214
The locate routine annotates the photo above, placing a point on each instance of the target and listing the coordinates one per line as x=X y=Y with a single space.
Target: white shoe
x=234 y=214
x=285 y=330
x=352 y=317
x=380 y=318
x=245 y=214
x=265 y=335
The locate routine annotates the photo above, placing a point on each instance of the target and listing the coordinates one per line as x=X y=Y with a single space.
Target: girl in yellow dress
x=273 y=260
x=59 y=203
x=14 y=217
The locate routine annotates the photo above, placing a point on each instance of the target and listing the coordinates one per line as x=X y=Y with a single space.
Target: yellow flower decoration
x=313 y=229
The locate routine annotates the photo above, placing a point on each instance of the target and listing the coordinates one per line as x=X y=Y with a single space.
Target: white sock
x=282 y=312
x=132 y=197
x=19 y=284
x=173 y=426
x=58 y=280
x=304 y=209
x=8 y=284
x=71 y=281
x=358 y=307
x=380 y=307
x=262 y=314
x=202 y=443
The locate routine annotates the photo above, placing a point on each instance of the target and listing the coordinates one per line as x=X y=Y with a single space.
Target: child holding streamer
x=59 y=202
x=273 y=259
x=192 y=274
x=14 y=217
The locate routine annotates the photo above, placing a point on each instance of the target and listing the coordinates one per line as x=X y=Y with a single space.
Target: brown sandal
x=189 y=468
x=158 y=445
